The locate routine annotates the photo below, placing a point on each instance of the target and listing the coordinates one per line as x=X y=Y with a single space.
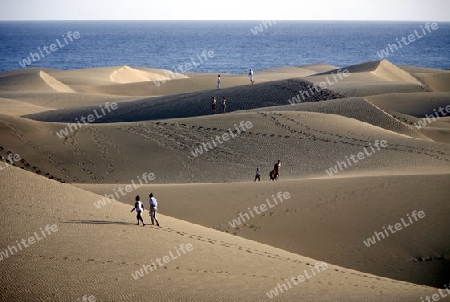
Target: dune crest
x=54 y=83
x=359 y=157
x=384 y=70
x=126 y=75
x=390 y=72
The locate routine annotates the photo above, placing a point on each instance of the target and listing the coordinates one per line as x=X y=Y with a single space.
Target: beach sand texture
x=61 y=174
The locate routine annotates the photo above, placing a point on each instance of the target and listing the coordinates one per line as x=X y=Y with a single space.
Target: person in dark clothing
x=276 y=169
x=258 y=175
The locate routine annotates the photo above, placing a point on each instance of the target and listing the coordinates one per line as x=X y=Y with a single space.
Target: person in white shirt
x=139 y=207
x=153 y=208
x=218 y=81
x=250 y=74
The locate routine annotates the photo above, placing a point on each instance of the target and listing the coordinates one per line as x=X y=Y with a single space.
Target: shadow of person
x=99 y=222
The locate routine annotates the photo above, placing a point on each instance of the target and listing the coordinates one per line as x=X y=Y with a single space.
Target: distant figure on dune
x=218 y=81
x=258 y=175
x=224 y=105
x=153 y=208
x=272 y=175
x=139 y=207
x=250 y=75
x=276 y=169
x=213 y=105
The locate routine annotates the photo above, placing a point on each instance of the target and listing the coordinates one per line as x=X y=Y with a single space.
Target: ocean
x=220 y=46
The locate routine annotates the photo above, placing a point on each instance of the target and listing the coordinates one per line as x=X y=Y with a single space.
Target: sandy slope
x=360 y=109
x=95 y=252
x=32 y=80
x=371 y=78
x=303 y=140
x=330 y=217
x=55 y=100
x=156 y=129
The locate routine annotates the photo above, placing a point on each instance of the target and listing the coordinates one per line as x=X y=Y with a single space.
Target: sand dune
x=105 y=249
x=55 y=100
x=203 y=183
x=332 y=223
x=390 y=72
x=115 y=152
x=198 y=103
x=371 y=78
x=32 y=80
x=417 y=105
x=126 y=74
x=382 y=69
x=357 y=108
x=436 y=81
x=18 y=108
x=54 y=83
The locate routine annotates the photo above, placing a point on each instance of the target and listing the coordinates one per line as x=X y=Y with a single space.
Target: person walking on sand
x=213 y=105
x=258 y=175
x=250 y=75
x=153 y=208
x=276 y=169
x=218 y=81
x=224 y=105
x=139 y=207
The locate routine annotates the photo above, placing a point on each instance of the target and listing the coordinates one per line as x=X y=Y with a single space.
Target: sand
x=58 y=174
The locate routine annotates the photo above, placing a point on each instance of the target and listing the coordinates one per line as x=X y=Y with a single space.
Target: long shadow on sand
x=99 y=222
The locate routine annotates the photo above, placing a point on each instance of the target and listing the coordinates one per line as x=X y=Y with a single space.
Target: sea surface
x=236 y=45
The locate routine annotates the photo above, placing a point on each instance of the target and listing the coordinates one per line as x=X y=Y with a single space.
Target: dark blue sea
x=237 y=45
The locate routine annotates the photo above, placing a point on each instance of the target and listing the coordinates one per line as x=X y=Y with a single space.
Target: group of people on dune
x=139 y=208
x=274 y=174
x=250 y=75
x=153 y=203
x=214 y=105
x=224 y=100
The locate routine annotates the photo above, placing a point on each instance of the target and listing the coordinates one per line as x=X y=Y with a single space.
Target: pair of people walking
x=139 y=208
x=274 y=174
x=214 y=105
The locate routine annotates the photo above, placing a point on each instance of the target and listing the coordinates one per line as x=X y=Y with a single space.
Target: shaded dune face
x=72 y=139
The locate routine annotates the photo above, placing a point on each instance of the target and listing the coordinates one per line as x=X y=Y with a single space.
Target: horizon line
x=230 y=20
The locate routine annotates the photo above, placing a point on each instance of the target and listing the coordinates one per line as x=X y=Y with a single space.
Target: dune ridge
x=389 y=71
x=126 y=74
x=54 y=83
x=60 y=162
x=238 y=276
